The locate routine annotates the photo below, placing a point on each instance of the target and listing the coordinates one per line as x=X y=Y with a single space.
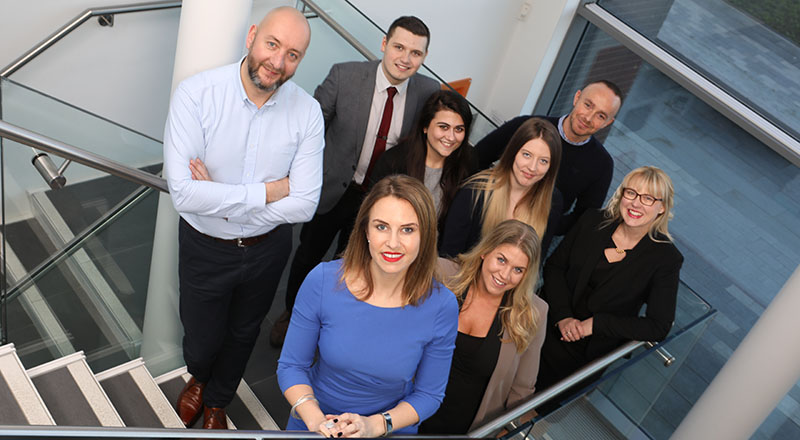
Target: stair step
x=20 y=403
x=245 y=411
x=137 y=397
x=72 y=394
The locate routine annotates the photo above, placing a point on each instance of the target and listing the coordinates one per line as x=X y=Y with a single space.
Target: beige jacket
x=514 y=376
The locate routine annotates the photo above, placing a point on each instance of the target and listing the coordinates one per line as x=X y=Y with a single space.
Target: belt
x=239 y=242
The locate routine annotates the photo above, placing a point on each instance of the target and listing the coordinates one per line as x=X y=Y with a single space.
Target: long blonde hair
x=494 y=184
x=356 y=258
x=517 y=314
x=658 y=185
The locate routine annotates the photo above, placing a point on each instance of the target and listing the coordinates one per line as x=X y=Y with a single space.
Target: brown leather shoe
x=278 y=332
x=190 y=402
x=214 y=418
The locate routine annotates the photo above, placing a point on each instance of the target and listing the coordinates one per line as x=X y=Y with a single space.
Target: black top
x=462 y=227
x=474 y=359
x=583 y=177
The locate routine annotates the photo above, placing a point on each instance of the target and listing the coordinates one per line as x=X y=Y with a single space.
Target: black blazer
x=649 y=274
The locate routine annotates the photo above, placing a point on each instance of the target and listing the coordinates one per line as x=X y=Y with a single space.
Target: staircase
x=66 y=392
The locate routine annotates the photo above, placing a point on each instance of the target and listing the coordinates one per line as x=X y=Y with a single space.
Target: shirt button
x=344 y=184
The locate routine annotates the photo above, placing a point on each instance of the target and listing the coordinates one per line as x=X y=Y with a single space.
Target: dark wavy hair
x=456 y=165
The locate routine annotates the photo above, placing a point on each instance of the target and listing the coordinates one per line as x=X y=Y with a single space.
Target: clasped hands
x=276 y=190
x=574 y=329
x=352 y=425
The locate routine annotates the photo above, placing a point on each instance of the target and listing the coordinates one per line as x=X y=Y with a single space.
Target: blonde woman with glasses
x=610 y=264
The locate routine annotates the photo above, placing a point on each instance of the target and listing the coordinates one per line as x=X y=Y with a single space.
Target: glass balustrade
x=619 y=404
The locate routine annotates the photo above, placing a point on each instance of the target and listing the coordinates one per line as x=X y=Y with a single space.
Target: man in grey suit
x=367 y=107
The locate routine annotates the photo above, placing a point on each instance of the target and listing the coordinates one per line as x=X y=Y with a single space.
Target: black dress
x=554 y=348
x=474 y=360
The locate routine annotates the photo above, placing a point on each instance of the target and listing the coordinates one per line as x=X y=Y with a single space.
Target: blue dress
x=370 y=358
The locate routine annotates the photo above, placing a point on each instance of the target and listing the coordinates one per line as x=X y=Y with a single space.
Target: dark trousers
x=318 y=234
x=225 y=293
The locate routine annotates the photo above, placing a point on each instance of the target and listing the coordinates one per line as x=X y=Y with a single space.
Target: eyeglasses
x=646 y=199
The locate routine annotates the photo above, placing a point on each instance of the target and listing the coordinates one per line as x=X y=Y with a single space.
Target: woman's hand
x=586 y=327
x=571 y=329
x=356 y=425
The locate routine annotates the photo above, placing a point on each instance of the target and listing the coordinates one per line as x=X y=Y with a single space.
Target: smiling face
x=503 y=269
x=275 y=48
x=443 y=136
x=593 y=109
x=636 y=214
x=531 y=163
x=393 y=236
x=403 y=54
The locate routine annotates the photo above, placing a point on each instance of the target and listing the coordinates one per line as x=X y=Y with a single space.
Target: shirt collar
x=272 y=99
x=564 y=136
x=382 y=83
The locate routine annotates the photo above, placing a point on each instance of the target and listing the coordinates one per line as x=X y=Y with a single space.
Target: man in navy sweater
x=586 y=167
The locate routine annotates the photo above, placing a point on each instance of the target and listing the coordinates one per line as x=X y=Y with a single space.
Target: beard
x=252 y=71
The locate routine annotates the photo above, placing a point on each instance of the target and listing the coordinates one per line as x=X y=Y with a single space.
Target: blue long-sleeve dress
x=370 y=358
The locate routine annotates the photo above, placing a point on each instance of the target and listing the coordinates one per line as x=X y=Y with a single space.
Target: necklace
x=619 y=250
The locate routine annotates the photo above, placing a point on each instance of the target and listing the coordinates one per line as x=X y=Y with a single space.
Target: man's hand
x=277 y=189
x=199 y=170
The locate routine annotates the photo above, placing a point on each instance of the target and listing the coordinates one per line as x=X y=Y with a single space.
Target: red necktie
x=383 y=132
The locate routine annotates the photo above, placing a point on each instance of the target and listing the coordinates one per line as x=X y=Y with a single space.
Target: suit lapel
x=412 y=96
x=363 y=102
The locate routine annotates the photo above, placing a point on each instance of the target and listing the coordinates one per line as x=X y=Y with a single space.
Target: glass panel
x=751 y=49
x=92 y=298
x=53 y=118
x=737 y=213
x=618 y=406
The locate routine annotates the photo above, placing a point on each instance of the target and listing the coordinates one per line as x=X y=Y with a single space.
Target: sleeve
x=459 y=224
x=183 y=141
x=302 y=337
x=305 y=181
x=556 y=290
x=592 y=198
x=434 y=368
x=524 y=384
x=327 y=93
x=659 y=314
x=491 y=147
x=387 y=164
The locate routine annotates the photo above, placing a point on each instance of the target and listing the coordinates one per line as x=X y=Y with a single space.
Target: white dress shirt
x=374 y=123
x=242 y=146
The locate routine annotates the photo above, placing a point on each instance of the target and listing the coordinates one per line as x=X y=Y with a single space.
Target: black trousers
x=318 y=234
x=225 y=293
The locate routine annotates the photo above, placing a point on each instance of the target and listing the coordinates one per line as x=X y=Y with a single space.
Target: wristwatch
x=387 y=419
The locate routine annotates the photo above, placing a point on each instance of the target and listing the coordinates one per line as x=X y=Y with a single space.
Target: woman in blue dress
x=383 y=327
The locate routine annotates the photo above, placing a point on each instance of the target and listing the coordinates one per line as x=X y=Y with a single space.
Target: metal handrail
x=541 y=397
x=716 y=97
x=63 y=31
x=589 y=369
x=69 y=152
x=127 y=433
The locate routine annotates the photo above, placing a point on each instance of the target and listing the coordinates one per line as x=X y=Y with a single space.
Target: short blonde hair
x=356 y=257
x=658 y=185
x=517 y=314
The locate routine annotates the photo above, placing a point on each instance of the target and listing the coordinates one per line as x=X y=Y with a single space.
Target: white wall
x=506 y=57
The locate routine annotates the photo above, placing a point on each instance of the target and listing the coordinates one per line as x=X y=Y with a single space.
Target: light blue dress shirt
x=242 y=146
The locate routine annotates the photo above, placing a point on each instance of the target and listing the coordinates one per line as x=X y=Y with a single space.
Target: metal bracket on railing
x=668 y=358
x=106 y=20
x=47 y=169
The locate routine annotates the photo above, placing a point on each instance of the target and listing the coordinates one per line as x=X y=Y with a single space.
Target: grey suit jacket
x=346 y=96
